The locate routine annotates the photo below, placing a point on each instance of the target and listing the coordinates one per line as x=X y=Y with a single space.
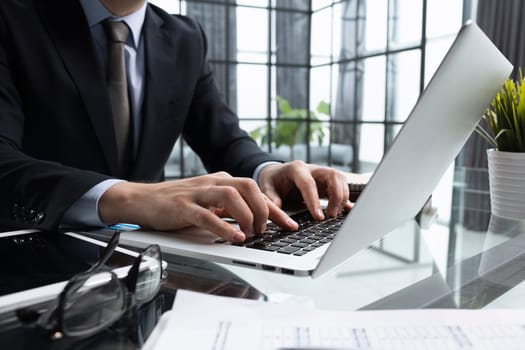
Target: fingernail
x=292 y=223
x=320 y=213
x=238 y=236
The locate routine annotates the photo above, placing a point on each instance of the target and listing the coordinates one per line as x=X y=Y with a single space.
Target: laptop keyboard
x=311 y=235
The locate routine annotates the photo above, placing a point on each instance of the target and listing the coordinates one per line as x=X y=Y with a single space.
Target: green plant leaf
x=323 y=108
x=506 y=117
x=293 y=125
x=284 y=105
x=256 y=133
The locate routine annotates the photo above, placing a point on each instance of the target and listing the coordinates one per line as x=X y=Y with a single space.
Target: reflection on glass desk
x=463 y=258
x=47 y=257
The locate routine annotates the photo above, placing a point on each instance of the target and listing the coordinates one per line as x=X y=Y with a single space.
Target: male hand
x=280 y=181
x=199 y=201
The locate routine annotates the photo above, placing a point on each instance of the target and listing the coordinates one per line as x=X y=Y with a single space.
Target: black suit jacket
x=56 y=131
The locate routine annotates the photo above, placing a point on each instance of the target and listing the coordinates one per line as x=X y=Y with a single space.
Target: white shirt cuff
x=260 y=168
x=84 y=212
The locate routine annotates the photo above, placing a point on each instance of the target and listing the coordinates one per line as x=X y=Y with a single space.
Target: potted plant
x=291 y=126
x=505 y=132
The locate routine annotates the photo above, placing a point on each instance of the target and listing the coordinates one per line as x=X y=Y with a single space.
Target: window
x=368 y=60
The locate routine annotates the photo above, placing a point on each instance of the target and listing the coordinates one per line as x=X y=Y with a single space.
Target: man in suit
x=59 y=158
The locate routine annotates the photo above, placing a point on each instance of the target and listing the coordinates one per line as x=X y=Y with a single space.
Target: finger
x=346 y=197
x=280 y=218
x=205 y=219
x=255 y=200
x=306 y=184
x=267 y=182
x=346 y=204
x=338 y=193
x=222 y=212
x=230 y=199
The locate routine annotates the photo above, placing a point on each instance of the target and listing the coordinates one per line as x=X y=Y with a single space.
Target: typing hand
x=199 y=201
x=280 y=181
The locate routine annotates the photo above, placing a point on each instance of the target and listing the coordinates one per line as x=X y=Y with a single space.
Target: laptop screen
x=443 y=118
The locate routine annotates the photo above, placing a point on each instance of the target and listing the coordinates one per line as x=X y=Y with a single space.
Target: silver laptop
x=445 y=115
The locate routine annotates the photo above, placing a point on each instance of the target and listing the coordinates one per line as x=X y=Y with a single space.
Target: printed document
x=201 y=321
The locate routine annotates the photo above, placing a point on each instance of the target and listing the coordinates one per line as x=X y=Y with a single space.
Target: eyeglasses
x=95 y=299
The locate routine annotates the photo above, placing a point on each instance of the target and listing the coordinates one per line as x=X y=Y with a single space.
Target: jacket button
x=39 y=217
x=15 y=211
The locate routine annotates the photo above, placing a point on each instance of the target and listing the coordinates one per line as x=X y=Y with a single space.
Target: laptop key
x=264 y=247
x=304 y=234
x=324 y=233
x=316 y=237
x=294 y=236
x=256 y=244
x=288 y=250
x=300 y=252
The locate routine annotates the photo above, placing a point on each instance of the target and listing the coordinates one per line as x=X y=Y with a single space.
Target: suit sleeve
x=213 y=131
x=33 y=193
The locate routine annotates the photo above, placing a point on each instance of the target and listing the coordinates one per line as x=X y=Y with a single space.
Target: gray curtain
x=218 y=19
x=219 y=23
x=293 y=52
x=350 y=84
x=502 y=21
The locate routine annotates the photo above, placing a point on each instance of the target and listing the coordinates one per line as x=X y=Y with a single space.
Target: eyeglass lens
x=149 y=275
x=94 y=303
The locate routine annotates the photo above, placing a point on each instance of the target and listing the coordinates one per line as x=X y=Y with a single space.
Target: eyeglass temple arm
x=108 y=251
x=131 y=278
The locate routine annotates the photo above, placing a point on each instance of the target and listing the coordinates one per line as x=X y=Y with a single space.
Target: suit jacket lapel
x=158 y=129
x=75 y=45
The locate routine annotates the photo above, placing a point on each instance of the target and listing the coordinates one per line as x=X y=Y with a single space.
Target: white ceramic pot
x=507 y=183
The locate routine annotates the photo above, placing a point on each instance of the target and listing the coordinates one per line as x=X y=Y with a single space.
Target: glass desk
x=460 y=258
x=416 y=268
x=455 y=255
